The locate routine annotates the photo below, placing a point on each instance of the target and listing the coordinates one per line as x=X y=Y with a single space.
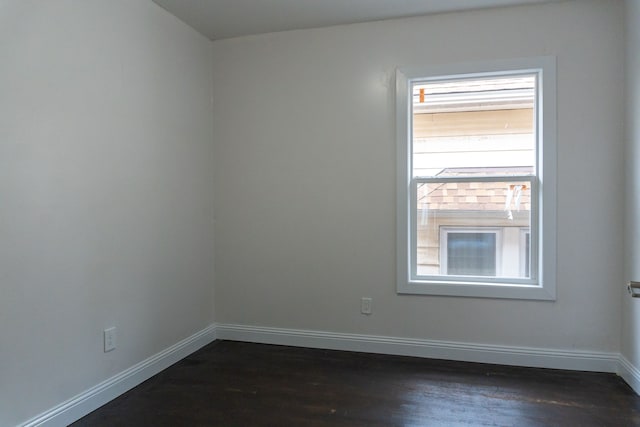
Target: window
x=525 y=252
x=476 y=179
x=469 y=252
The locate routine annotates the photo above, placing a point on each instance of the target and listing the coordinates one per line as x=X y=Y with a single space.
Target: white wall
x=305 y=176
x=631 y=307
x=105 y=193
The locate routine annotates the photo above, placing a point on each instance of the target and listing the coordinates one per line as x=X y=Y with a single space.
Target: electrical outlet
x=109 y=339
x=365 y=305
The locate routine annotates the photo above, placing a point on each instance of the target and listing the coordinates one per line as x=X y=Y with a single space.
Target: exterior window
x=476 y=179
x=469 y=253
x=525 y=251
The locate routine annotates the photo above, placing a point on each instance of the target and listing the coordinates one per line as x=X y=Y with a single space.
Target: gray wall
x=105 y=193
x=305 y=176
x=631 y=307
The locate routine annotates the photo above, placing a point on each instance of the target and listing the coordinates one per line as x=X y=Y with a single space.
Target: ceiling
x=220 y=19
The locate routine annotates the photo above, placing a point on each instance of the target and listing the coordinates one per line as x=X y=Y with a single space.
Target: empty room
x=323 y=213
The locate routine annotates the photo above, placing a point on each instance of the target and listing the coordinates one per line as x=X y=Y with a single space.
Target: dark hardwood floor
x=241 y=384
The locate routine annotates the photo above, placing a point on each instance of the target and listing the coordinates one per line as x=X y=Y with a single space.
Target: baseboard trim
x=629 y=373
x=450 y=350
x=91 y=399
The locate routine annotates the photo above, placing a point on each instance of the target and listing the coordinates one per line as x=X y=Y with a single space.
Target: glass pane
x=471 y=254
x=468 y=211
x=474 y=127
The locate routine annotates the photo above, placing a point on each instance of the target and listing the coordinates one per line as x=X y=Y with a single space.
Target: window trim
x=544 y=285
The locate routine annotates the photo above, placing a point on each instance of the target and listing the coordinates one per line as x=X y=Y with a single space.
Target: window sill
x=477 y=290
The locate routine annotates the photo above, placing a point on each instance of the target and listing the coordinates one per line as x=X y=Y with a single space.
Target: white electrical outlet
x=109 y=339
x=365 y=305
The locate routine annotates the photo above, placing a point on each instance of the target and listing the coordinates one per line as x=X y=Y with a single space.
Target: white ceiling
x=219 y=19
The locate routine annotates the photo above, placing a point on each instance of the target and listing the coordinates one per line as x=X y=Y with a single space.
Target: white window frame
x=542 y=284
x=523 y=250
x=444 y=237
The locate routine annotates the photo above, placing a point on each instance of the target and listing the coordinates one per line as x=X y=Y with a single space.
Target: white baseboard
x=629 y=373
x=502 y=355
x=91 y=399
